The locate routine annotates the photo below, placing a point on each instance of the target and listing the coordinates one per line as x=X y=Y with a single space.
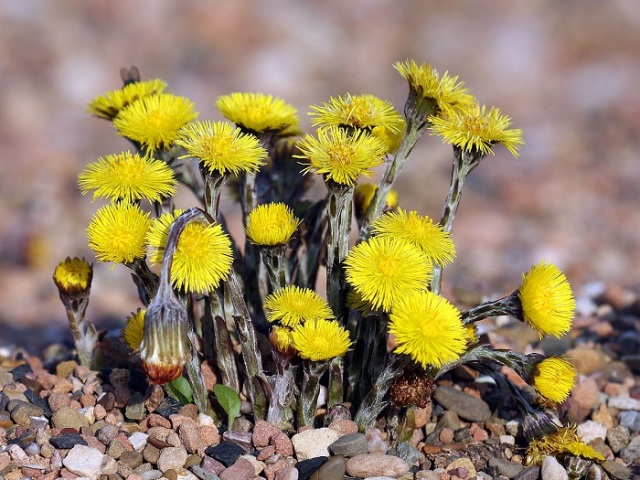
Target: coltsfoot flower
x=108 y=105
x=258 y=112
x=428 y=328
x=282 y=340
x=363 y=194
x=382 y=270
x=420 y=231
x=117 y=233
x=563 y=442
x=547 y=300
x=553 y=378
x=320 y=339
x=221 y=147
x=341 y=156
x=73 y=277
x=128 y=176
x=271 y=224
x=133 y=332
x=293 y=305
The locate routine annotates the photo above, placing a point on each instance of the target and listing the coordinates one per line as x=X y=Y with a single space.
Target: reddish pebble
x=262 y=432
x=344 y=426
x=282 y=443
x=446 y=435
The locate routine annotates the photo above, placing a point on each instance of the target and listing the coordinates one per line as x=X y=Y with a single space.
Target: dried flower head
x=475 y=129
x=117 y=233
x=156 y=120
x=108 y=105
x=428 y=328
x=363 y=194
x=258 y=112
x=420 y=231
x=221 y=147
x=292 y=305
x=341 y=156
x=271 y=224
x=128 y=176
x=412 y=389
x=553 y=378
x=320 y=339
x=133 y=332
x=382 y=270
x=547 y=300
x=73 y=276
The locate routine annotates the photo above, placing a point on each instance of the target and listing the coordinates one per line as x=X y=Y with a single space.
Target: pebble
x=334 y=467
x=584 y=397
x=463 y=463
x=623 y=403
x=225 y=452
x=172 y=458
x=618 y=437
x=86 y=462
x=371 y=465
x=307 y=468
x=67 y=417
x=350 y=445
x=631 y=452
x=23 y=411
x=287 y=473
x=67 y=440
x=552 y=470
x=505 y=467
x=615 y=470
x=466 y=406
x=138 y=441
x=529 y=473
x=262 y=432
x=313 y=443
x=590 y=430
x=107 y=433
x=630 y=419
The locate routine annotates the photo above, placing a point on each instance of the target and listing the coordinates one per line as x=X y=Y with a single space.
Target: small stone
x=131 y=459
x=258 y=466
x=212 y=465
x=602 y=415
x=190 y=436
x=209 y=435
x=225 y=452
x=446 y=435
x=313 y=443
x=344 y=426
x=67 y=417
x=590 y=430
x=529 y=473
x=107 y=433
x=85 y=461
x=172 y=458
x=334 y=467
x=307 y=468
x=135 y=407
x=271 y=469
x=240 y=470
x=631 y=452
x=376 y=443
x=67 y=440
x=5 y=419
x=262 y=432
x=138 y=441
x=630 y=419
x=505 y=467
x=287 y=473
x=623 y=403
x=466 y=406
x=22 y=413
x=616 y=470
x=242 y=439
x=552 y=470
x=463 y=463
x=350 y=445
x=586 y=360
x=584 y=397
x=618 y=437
x=371 y=465
x=17 y=454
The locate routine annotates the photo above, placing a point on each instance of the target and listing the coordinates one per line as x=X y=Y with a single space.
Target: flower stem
x=274 y=262
x=221 y=341
x=509 y=305
x=283 y=401
x=313 y=372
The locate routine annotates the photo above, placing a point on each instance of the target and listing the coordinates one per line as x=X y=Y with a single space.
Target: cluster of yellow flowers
x=387 y=284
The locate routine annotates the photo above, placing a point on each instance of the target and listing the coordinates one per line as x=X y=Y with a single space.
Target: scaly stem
x=283 y=401
x=509 y=305
x=274 y=263
x=313 y=372
x=222 y=347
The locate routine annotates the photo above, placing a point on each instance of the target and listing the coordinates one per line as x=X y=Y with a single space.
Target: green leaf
x=181 y=390
x=229 y=401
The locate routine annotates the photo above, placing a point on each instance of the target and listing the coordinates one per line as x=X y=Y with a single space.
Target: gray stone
x=135 y=407
x=334 y=467
x=505 y=467
x=529 y=473
x=466 y=406
x=23 y=411
x=623 y=403
x=616 y=470
x=632 y=451
x=67 y=417
x=630 y=419
x=552 y=470
x=376 y=464
x=107 y=434
x=350 y=445
x=85 y=461
x=618 y=437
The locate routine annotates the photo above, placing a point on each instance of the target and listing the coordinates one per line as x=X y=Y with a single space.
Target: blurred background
x=567 y=73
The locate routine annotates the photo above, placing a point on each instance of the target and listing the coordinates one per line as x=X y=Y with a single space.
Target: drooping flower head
x=128 y=176
x=428 y=328
x=418 y=230
x=108 y=105
x=156 y=120
x=292 y=305
x=73 y=276
x=547 y=300
x=117 y=233
x=271 y=224
x=340 y=156
x=475 y=129
x=320 y=339
x=133 y=332
x=202 y=258
x=430 y=93
x=382 y=270
x=258 y=112
x=363 y=194
x=221 y=147
x=553 y=378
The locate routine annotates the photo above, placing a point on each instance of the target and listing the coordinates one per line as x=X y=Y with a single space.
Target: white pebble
x=552 y=470
x=138 y=441
x=590 y=430
x=507 y=439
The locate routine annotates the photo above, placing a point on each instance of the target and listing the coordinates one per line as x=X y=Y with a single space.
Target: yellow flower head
x=202 y=258
x=428 y=328
x=156 y=120
x=565 y=441
x=382 y=270
x=258 y=112
x=442 y=95
x=340 y=156
x=363 y=194
x=133 y=332
x=282 y=340
x=292 y=305
x=476 y=129
x=128 y=176
x=321 y=339
x=117 y=233
x=107 y=106
x=73 y=275
x=553 y=379
x=271 y=224
x=357 y=111
x=222 y=147
x=547 y=300
x=420 y=231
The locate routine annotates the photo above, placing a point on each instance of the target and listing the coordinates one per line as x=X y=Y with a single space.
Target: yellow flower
x=340 y=156
x=117 y=233
x=107 y=106
x=282 y=340
x=428 y=328
x=547 y=300
x=321 y=339
x=440 y=95
x=553 y=378
x=202 y=258
x=73 y=275
x=222 y=147
x=562 y=442
x=420 y=231
x=292 y=305
x=133 y=332
x=258 y=112
x=271 y=224
x=476 y=129
x=156 y=120
x=128 y=177
x=382 y=270
x=363 y=194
